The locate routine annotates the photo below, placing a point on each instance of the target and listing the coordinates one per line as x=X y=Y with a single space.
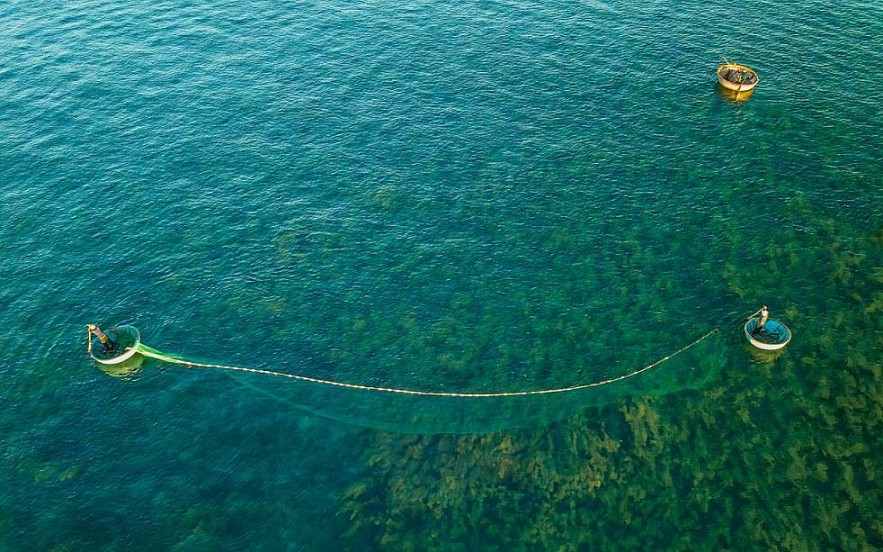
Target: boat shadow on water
x=760 y=356
x=128 y=369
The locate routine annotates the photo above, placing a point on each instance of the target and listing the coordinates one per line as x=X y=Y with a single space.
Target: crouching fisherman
x=109 y=346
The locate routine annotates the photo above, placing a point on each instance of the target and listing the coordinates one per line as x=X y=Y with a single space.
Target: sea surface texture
x=461 y=197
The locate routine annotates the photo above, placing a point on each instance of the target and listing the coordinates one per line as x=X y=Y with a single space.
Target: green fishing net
x=425 y=411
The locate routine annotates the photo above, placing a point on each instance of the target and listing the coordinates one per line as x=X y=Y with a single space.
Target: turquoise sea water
x=460 y=196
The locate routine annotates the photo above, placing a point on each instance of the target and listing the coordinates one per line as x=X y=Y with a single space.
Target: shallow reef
x=778 y=452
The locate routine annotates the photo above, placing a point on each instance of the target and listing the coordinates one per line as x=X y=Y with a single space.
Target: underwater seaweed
x=775 y=455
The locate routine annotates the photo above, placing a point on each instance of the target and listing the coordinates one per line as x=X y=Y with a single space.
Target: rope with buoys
x=148 y=352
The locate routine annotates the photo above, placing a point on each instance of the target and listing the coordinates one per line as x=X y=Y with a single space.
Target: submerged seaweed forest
x=778 y=452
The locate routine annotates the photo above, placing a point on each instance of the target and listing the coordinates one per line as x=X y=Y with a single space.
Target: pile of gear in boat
x=739 y=76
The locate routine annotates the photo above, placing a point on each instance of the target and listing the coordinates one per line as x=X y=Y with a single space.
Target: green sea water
x=453 y=197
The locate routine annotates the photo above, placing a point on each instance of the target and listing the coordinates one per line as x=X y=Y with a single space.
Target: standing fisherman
x=764 y=316
x=110 y=346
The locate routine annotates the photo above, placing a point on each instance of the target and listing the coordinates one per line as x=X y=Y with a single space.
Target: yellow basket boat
x=738 y=78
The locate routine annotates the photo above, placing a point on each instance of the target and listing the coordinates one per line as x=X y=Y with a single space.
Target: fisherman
x=109 y=346
x=764 y=316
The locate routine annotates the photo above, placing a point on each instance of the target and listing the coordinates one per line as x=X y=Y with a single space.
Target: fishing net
x=425 y=411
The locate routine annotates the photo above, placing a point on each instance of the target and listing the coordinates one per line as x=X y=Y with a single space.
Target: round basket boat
x=772 y=337
x=127 y=339
x=738 y=78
